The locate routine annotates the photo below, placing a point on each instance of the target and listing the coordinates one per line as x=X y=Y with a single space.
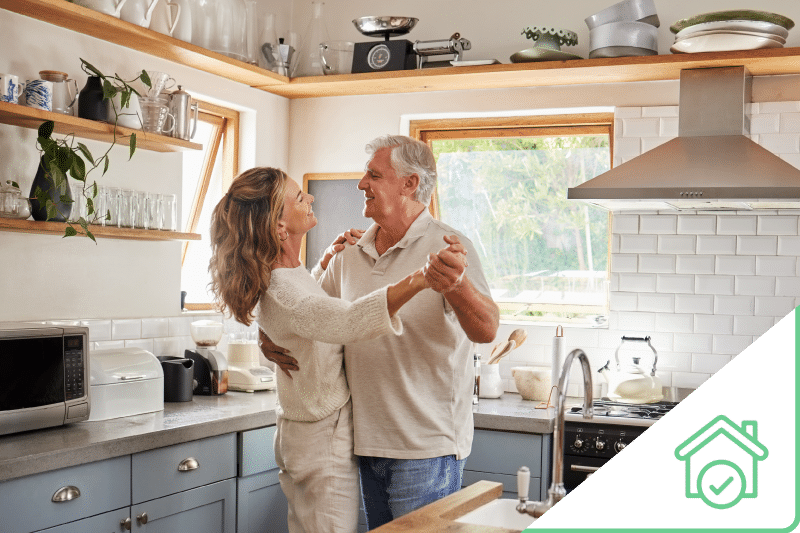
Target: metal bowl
x=385 y=26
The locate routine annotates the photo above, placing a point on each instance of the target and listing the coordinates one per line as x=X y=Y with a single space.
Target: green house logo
x=722 y=462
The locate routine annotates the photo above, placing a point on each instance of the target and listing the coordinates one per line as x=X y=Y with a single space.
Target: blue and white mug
x=9 y=88
x=39 y=94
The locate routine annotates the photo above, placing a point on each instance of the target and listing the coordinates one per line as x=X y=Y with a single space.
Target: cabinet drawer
x=256 y=451
x=26 y=503
x=157 y=473
x=504 y=453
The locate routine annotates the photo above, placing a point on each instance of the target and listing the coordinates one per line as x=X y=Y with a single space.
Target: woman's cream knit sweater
x=297 y=315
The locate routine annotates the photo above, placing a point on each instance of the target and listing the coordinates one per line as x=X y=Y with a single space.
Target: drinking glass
x=78 y=210
x=125 y=219
x=100 y=206
x=169 y=214
x=154 y=211
x=112 y=206
x=139 y=210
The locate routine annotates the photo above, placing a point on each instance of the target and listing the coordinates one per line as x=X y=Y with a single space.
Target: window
x=504 y=184
x=207 y=175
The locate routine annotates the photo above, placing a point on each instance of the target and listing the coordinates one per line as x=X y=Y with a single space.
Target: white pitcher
x=183 y=26
x=109 y=7
x=138 y=12
x=166 y=16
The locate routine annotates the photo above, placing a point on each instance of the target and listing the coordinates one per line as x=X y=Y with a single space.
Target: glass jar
x=308 y=61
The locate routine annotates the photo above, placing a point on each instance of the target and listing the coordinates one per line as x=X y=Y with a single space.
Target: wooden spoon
x=509 y=345
x=519 y=336
x=496 y=350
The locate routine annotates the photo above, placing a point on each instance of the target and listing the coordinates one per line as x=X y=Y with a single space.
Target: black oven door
x=577 y=468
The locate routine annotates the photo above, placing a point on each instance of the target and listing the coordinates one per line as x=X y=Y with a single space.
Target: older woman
x=256 y=234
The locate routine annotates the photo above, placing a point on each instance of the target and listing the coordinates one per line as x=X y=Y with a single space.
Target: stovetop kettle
x=631 y=383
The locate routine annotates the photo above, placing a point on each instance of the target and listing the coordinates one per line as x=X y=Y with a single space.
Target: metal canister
x=184 y=110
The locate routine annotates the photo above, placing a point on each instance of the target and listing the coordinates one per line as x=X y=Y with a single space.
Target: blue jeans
x=394 y=487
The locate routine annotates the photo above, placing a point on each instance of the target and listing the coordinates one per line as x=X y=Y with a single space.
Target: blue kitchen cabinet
x=261 y=506
x=497 y=455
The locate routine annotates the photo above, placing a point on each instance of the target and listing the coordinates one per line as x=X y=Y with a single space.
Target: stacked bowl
x=628 y=28
x=721 y=31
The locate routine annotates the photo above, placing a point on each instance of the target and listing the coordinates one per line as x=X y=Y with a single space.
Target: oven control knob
x=578 y=443
x=619 y=446
x=600 y=444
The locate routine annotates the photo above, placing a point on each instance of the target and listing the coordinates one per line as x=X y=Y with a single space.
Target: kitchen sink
x=498 y=513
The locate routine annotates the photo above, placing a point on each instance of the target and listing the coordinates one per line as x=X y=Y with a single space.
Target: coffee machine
x=210 y=366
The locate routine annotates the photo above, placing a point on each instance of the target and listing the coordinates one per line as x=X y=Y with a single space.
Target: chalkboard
x=338 y=205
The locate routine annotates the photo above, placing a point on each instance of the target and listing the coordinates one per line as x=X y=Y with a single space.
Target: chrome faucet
x=557 y=491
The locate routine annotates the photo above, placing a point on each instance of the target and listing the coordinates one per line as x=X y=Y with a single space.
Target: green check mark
x=718 y=490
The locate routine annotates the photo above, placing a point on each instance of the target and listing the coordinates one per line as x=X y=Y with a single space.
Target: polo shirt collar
x=415 y=231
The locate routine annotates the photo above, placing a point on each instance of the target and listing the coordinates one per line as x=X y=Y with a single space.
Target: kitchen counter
x=31 y=452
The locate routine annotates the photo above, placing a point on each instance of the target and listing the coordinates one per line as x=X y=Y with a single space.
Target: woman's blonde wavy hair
x=245 y=242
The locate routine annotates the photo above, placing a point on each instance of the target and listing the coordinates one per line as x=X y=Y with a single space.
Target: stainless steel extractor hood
x=710 y=165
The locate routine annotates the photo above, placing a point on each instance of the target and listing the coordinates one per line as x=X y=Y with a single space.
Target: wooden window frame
x=226 y=133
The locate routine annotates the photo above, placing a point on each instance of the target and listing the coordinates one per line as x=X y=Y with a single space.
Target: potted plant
x=50 y=192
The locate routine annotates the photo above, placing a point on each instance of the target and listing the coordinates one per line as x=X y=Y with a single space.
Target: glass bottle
x=308 y=62
x=268 y=53
x=251 y=51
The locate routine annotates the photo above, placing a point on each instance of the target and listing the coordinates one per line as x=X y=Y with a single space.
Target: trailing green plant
x=66 y=156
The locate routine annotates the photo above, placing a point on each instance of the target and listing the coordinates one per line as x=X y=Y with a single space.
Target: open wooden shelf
x=580 y=71
x=28 y=117
x=108 y=232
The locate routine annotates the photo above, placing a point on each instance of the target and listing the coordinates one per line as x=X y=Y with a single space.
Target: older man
x=412 y=394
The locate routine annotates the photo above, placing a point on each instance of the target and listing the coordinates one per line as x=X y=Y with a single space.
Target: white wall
x=46 y=277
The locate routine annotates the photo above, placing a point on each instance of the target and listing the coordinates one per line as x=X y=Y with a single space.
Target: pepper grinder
x=477 y=389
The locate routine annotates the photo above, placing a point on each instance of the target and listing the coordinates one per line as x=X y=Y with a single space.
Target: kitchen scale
x=386 y=55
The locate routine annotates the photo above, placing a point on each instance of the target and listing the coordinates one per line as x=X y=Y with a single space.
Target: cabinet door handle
x=65 y=494
x=142 y=518
x=125 y=524
x=188 y=464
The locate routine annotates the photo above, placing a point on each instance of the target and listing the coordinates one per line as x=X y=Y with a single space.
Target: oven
x=589 y=444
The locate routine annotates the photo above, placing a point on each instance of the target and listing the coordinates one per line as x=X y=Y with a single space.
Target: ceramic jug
x=90 y=100
x=62 y=99
x=109 y=7
x=183 y=25
x=138 y=12
x=166 y=16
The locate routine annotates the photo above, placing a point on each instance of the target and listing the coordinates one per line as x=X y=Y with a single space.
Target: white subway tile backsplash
x=787 y=286
x=108 y=345
x=655 y=303
x=780 y=143
x=776 y=266
x=790 y=123
x=752 y=325
x=737 y=225
x=99 y=330
x=636 y=322
x=625 y=223
x=717 y=324
x=731 y=344
x=694 y=303
x=755 y=286
x=734 y=305
x=697 y=224
x=626 y=149
x=757 y=245
x=707 y=284
x=658 y=224
x=627 y=112
x=788 y=245
x=624 y=262
x=180 y=326
x=687 y=380
x=168 y=346
x=775 y=306
x=716 y=244
x=669 y=127
x=674 y=323
x=709 y=363
x=679 y=244
x=641 y=127
x=654 y=264
x=124 y=329
x=623 y=301
x=144 y=344
x=660 y=111
x=777 y=225
x=695 y=264
x=630 y=282
x=648 y=143
x=674 y=361
x=675 y=283
x=792 y=159
x=155 y=327
x=693 y=342
x=765 y=123
x=735 y=265
x=638 y=244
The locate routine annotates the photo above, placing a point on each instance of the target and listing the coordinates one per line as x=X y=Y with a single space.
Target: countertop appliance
x=45 y=376
x=125 y=382
x=711 y=165
x=386 y=55
x=245 y=372
x=210 y=365
x=589 y=444
x=454 y=46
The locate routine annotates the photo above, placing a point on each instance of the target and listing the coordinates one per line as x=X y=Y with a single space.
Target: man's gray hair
x=409 y=156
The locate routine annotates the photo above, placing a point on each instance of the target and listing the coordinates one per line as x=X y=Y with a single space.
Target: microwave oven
x=45 y=372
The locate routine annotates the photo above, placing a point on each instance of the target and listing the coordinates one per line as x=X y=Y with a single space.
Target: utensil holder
x=491 y=382
x=178 y=378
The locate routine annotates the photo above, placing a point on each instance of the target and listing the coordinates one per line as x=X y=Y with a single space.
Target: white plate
x=776 y=38
x=474 y=62
x=722 y=43
x=736 y=25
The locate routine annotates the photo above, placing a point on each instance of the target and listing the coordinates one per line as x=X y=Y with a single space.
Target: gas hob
x=622 y=414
